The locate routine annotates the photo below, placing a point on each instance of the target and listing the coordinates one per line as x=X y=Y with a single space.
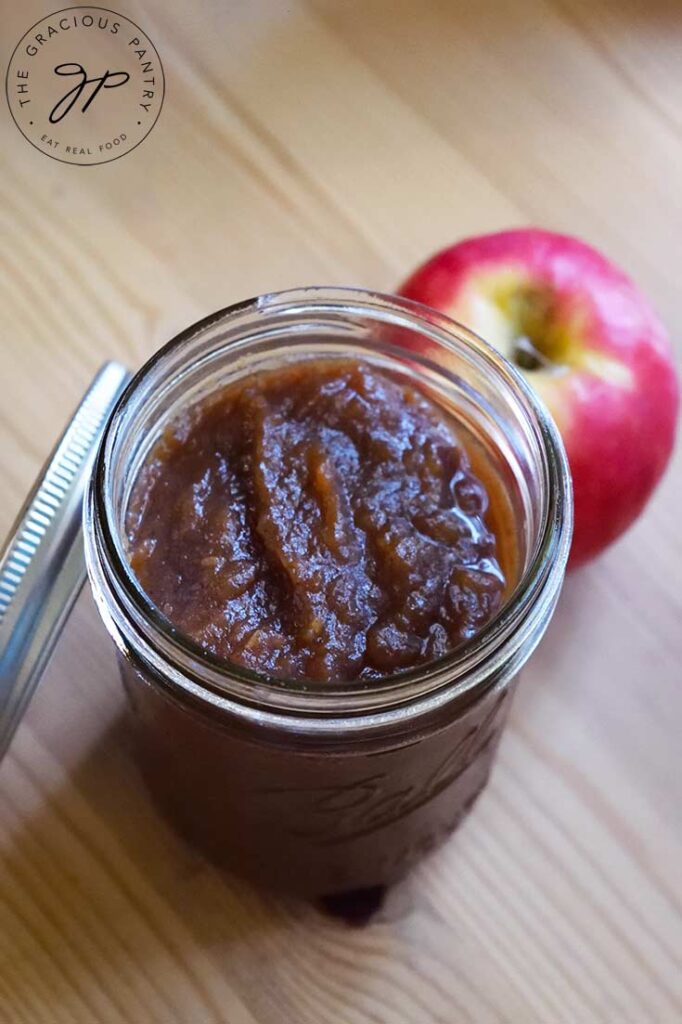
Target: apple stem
x=527 y=356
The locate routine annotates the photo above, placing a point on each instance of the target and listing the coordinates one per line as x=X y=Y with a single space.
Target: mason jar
x=309 y=787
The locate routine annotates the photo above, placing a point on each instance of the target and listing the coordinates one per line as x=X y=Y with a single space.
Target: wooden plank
x=320 y=142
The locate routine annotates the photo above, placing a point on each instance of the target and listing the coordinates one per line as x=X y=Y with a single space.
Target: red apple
x=589 y=343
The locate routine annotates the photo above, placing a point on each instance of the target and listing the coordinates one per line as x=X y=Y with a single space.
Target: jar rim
x=220 y=681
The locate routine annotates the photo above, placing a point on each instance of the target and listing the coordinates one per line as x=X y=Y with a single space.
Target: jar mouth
x=179 y=659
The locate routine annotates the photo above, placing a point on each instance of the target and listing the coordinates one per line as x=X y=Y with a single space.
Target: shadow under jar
x=311 y=788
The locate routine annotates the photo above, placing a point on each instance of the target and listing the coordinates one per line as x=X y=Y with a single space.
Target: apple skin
x=605 y=372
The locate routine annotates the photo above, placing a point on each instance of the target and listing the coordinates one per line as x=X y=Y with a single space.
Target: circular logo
x=85 y=85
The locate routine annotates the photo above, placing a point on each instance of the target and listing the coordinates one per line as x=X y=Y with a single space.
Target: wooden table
x=341 y=142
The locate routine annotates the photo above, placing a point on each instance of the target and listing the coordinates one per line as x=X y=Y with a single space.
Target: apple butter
x=319 y=521
x=302 y=511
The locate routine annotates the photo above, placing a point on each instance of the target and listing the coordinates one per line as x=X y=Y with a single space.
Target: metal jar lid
x=42 y=565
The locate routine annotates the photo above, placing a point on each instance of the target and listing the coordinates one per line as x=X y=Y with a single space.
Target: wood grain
x=328 y=142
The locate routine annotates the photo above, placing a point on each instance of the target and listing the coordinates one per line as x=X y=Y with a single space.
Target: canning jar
x=311 y=788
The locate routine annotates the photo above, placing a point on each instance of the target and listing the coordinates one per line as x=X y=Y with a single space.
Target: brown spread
x=319 y=521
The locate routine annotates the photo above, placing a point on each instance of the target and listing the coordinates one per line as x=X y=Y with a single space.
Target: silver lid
x=42 y=565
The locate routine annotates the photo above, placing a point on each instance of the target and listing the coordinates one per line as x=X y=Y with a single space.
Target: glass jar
x=312 y=789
